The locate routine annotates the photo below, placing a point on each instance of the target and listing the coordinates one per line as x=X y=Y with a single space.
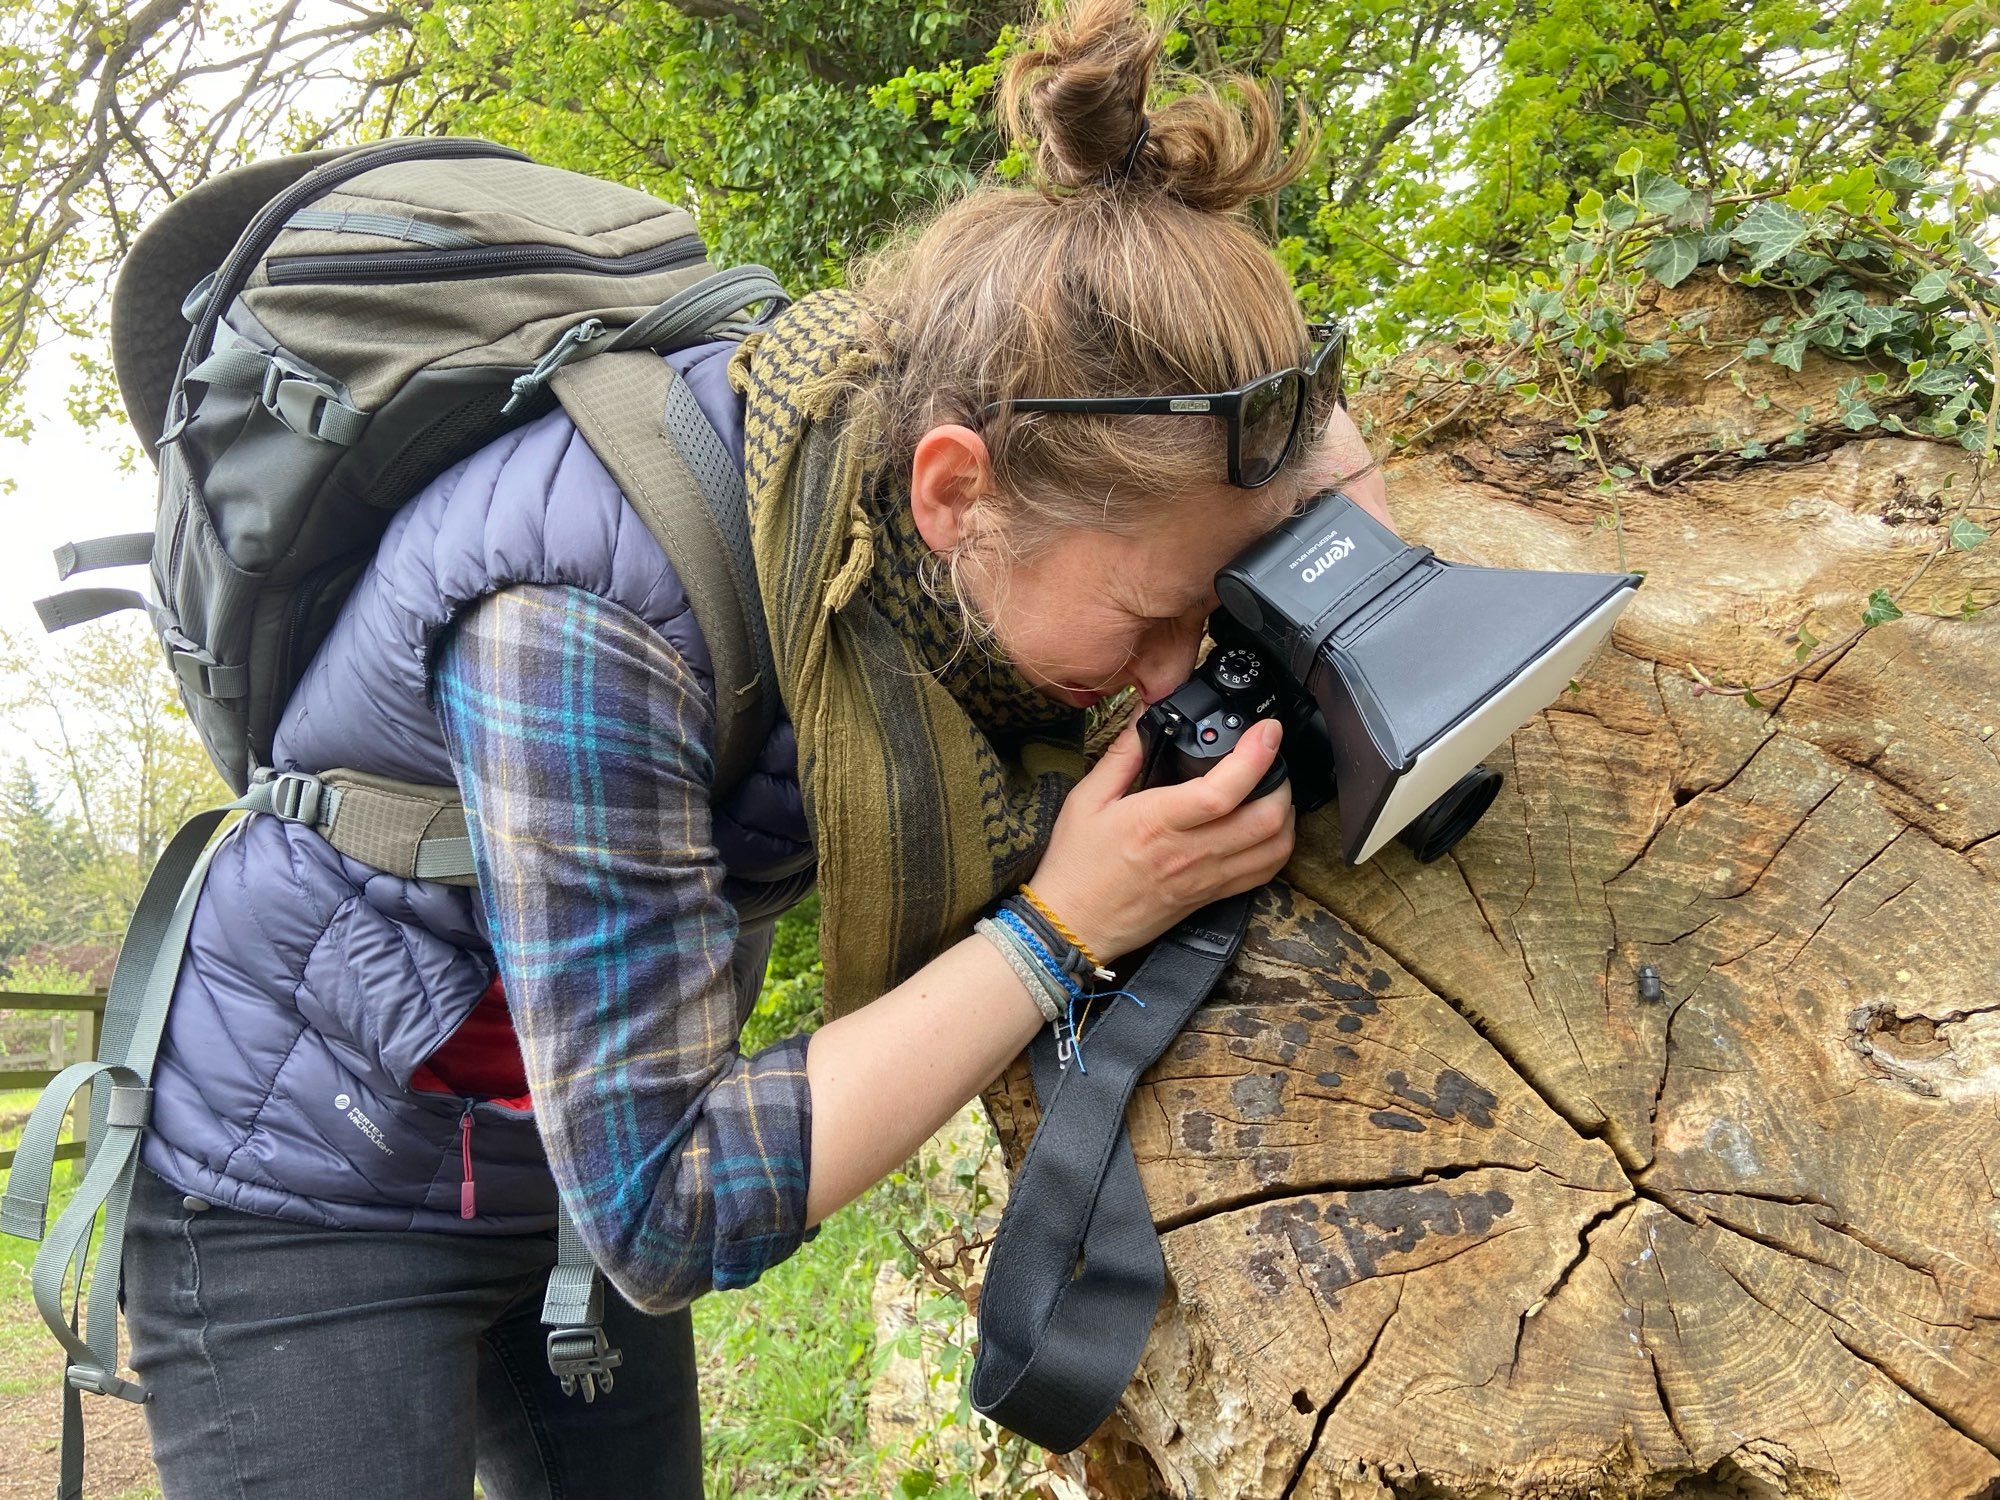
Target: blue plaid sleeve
x=581 y=739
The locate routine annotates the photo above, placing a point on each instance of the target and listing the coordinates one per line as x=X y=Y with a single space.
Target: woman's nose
x=1166 y=658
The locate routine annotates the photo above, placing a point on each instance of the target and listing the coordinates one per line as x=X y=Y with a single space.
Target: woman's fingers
x=1249 y=868
x=1111 y=778
x=1216 y=794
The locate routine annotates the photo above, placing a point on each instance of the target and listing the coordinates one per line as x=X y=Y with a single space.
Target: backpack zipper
x=465 y=1198
x=365 y=267
x=271 y=218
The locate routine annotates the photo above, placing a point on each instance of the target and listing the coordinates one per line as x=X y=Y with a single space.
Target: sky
x=67 y=485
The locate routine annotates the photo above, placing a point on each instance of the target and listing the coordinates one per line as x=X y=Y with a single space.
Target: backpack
x=302 y=344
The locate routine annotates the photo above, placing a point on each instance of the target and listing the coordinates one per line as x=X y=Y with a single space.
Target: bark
x=1449 y=1210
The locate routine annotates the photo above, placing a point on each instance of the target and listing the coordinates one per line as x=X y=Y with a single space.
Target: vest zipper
x=465 y=1198
x=390 y=266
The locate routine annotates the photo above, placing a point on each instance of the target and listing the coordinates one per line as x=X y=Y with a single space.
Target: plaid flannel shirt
x=581 y=741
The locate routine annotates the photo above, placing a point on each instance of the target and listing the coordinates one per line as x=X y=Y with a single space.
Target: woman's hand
x=1123 y=866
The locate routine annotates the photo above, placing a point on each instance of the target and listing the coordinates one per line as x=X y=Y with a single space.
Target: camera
x=1392 y=671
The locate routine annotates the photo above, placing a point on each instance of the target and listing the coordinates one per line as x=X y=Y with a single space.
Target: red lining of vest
x=481 y=1059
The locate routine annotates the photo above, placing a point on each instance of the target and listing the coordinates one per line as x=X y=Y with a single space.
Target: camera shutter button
x=1208 y=735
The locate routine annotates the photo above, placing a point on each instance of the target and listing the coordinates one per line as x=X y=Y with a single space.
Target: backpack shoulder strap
x=645 y=425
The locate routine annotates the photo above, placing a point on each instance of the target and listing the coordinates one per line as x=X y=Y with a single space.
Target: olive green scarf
x=932 y=771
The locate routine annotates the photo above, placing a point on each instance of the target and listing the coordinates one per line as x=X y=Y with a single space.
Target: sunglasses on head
x=1263 y=417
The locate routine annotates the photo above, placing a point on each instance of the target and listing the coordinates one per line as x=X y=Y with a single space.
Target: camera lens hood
x=1419 y=666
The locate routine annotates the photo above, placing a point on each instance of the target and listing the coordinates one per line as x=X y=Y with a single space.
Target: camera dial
x=1237 y=670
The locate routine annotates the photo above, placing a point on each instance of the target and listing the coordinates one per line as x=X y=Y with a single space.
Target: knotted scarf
x=932 y=770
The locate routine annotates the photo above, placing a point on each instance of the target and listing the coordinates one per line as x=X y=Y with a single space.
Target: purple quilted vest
x=314 y=986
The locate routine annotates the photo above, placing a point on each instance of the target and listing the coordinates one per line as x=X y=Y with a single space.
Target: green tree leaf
x=1965 y=534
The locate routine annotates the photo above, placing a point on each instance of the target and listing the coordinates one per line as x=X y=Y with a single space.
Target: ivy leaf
x=1769 y=232
x=1965 y=535
x=1903 y=173
x=1660 y=194
x=1881 y=609
x=1933 y=287
x=1671 y=260
x=1630 y=161
x=1752 y=699
x=1791 y=353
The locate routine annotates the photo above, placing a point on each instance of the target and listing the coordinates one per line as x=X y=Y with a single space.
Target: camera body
x=1202 y=720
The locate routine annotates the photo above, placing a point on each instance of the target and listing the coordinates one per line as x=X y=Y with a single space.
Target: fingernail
x=1274 y=734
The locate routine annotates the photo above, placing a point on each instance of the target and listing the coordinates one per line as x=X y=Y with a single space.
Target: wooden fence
x=91 y=1010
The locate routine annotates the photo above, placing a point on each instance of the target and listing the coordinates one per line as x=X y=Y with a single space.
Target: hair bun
x=1080 y=92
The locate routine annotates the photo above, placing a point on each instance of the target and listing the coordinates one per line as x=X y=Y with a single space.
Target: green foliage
x=794 y=980
x=118 y=768
x=1881 y=266
x=786 y=1363
x=1451 y=132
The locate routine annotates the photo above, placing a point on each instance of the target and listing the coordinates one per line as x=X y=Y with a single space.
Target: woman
x=372 y=1090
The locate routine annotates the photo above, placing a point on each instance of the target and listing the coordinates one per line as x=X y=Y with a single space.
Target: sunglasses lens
x=1269 y=413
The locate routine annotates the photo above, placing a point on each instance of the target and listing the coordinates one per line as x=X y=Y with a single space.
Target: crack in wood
x=1590 y=1130
x=1914 y=1394
x=1554 y=1289
x=1339 y=1394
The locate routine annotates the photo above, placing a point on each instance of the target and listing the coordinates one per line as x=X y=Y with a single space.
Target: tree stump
x=1450 y=1209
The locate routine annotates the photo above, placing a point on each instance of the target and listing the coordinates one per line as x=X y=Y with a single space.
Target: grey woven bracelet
x=1027 y=968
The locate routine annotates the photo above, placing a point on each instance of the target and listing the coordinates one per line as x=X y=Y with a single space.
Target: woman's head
x=1085 y=544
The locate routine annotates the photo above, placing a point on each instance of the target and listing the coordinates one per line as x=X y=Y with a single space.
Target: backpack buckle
x=297 y=797
x=307 y=406
x=90 y=1378
x=293 y=398
x=583 y=1356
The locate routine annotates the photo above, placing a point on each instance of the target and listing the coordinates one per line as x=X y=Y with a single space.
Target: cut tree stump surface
x=1449 y=1210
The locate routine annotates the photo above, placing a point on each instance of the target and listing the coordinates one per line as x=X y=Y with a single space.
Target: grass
x=785 y=1364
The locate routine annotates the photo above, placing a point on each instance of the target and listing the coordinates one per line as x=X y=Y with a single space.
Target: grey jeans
x=329 y=1364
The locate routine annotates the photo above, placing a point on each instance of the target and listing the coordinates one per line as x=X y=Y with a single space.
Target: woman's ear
x=949 y=474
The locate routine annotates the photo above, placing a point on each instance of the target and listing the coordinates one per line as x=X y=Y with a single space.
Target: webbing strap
x=306 y=403
x=74 y=606
x=135 y=1013
x=1075 y=1274
x=123 y=550
x=619 y=403
x=573 y=1311
x=400 y=827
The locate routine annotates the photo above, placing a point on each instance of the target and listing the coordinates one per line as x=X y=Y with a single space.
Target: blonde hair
x=1128 y=268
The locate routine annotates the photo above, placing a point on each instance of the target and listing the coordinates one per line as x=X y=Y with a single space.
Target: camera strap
x=1075 y=1273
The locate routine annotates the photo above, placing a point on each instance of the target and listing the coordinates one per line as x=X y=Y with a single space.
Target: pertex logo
x=363 y=1124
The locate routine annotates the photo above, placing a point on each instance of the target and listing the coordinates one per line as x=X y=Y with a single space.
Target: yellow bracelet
x=1028 y=895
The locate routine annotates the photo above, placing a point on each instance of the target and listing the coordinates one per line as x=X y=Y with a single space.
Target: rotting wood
x=1450 y=1211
